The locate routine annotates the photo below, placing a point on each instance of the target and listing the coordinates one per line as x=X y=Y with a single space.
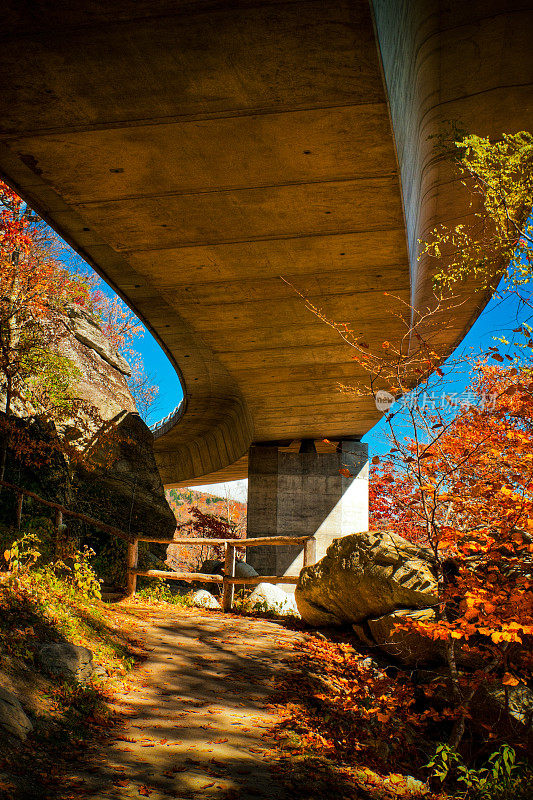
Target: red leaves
x=468 y=494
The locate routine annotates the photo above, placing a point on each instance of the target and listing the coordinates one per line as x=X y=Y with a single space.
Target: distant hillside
x=181 y=501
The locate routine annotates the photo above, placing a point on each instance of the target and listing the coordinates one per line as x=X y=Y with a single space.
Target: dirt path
x=197 y=712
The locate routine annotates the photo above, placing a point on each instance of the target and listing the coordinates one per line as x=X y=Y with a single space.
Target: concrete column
x=304 y=493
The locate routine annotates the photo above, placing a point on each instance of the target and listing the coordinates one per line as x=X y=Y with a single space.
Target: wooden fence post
x=132 y=559
x=18 y=517
x=229 y=572
x=58 y=527
x=310 y=552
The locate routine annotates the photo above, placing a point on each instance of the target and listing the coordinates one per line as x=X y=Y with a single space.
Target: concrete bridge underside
x=198 y=152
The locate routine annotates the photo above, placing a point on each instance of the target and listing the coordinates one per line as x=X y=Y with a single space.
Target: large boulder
x=270 y=598
x=408 y=646
x=364 y=575
x=214 y=566
x=507 y=710
x=13 y=720
x=66 y=661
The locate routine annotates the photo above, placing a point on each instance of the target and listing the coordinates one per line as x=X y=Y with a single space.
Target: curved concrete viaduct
x=194 y=151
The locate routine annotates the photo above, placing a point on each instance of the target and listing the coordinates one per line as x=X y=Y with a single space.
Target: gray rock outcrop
x=86 y=330
x=116 y=480
x=511 y=719
x=13 y=719
x=365 y=575
x=66 y=661
x=128 y=493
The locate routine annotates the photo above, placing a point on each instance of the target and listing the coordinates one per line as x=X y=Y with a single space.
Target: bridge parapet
x=163 y=425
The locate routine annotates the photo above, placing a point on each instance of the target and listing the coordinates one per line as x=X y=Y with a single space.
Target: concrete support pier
x=302 y=494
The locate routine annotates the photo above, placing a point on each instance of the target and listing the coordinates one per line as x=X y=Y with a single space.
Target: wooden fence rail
x=228 y=579
x=62 y=511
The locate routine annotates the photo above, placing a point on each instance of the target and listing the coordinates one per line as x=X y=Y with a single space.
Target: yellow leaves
x=510 y=680
x=393 y=778
x=505 y=636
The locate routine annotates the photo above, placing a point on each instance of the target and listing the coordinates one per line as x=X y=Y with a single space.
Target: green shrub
x=500 y=778
x=158 y=590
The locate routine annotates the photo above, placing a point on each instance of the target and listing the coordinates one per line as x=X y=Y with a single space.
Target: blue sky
x=163 y=374
x=498 y=319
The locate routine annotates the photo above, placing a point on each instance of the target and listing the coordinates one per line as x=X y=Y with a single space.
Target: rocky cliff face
x=120 y=483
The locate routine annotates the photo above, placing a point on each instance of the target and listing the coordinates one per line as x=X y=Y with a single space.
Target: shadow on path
x=197 y=712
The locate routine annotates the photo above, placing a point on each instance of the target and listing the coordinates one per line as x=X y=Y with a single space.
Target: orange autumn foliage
x=468 y=495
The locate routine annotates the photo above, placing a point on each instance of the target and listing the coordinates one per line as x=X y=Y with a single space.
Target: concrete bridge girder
x=195 y=152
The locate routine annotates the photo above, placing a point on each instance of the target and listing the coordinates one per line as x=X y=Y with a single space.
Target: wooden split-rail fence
x=228 y=579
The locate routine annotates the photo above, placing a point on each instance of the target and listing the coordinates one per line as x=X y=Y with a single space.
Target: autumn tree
x=34 y=290
x=461 y=483
x=203 y=525
x=458 y=474
x=466 y=491
x=122 y=328
x=499 y=239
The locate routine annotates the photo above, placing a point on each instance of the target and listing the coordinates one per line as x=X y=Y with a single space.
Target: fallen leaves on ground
x=344 y=723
